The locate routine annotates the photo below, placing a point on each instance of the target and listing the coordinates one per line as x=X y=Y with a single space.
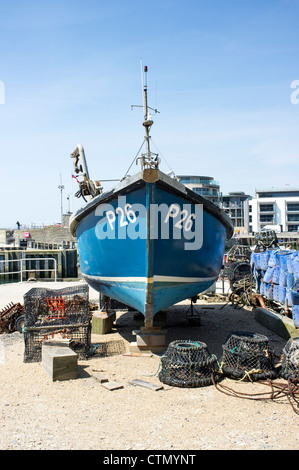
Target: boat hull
x=150 y=243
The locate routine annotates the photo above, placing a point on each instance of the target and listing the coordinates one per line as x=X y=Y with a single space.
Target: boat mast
x=148 y=122
x=148 y=159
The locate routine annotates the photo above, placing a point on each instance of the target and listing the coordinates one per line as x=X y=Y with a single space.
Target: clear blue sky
x=220 y=73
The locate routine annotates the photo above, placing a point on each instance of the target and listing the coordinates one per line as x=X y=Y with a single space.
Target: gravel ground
x=37 y=413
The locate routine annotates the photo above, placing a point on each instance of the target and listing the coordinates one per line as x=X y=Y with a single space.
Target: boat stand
x=192 y=314
x=149 y=340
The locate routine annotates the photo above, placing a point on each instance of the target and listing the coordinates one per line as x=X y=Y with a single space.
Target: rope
x=247 y=374
x=134 y=159
x=158 y=370
x=162 y=156
x=290 y=391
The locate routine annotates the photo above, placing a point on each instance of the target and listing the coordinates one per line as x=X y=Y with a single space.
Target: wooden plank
x=149 y=385
x=112 y=385
x=138 y=354
x=100 y=377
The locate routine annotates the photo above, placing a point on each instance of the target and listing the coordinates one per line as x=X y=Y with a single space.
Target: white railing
x=22 y=262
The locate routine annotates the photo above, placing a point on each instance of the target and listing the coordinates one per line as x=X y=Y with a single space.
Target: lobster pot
x=290 y=280
x=56 y=314
x=258 y=277
x=295 y=266
x=289 y=297
x=282 y=294
x=78 y=338
x=248 y=356
x=284 y=261
x=255 y=261
x=269 y=275
x=282 y=278
x=263 y=261
x=290 y=360
x=272 y=258
x=269 y=291
x=45 y=307
x=295 y=315
x=263 y=288
x=276 y=275
x=290 y=261
x=276 y=292
x=294 y=294
x=188 y=364
x=295 y=297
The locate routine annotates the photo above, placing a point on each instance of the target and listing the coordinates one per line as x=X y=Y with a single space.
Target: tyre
x=19 y=323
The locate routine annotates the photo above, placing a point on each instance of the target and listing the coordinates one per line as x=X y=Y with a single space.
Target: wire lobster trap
x=290 y=361
x=56 y=314
x=248 y=356
x=188 y=364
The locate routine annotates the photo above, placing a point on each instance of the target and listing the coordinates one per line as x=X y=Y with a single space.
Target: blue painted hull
x=150 y=243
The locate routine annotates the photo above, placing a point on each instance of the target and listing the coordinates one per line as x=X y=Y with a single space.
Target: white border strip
x=156 y=278
x=182 y=279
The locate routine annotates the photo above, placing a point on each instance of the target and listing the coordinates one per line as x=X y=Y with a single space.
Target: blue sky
x=220 y=74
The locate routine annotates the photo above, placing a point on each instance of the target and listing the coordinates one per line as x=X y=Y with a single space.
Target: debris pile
x=237 y=271
x=9 y=315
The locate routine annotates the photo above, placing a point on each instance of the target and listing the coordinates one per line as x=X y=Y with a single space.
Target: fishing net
x=290 y=361
x=188 y=364
x=56 y=314
x=108 y=348
x=238 y=270
x=248 y=356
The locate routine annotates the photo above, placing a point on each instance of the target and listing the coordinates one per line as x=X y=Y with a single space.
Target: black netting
x=56 y=314
x=248 y=356
x=48 y=307
x=290 y=360
x=188 y=364
x=108 y=348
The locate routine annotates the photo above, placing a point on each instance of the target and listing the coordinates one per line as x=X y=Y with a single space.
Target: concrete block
x=279 y=324
x=150 y=340
x=152 y=349
x=59 y=362
x=102 y=322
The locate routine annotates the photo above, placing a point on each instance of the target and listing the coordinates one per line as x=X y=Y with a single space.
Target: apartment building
x=237 y=207
x=206 y=186
x=276 y=208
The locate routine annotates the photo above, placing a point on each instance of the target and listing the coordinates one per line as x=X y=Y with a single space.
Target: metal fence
x=22 y=267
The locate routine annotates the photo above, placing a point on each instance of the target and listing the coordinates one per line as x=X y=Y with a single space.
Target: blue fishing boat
x=150 y=242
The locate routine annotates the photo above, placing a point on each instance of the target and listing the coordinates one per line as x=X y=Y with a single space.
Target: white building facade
x=274 y=208
x=206 y=186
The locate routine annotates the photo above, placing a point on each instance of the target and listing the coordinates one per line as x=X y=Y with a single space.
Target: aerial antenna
x=141 y=69
x=149 y=159
x=61 y=188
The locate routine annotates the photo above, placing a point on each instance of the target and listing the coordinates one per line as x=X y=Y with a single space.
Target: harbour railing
x=22 y=267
